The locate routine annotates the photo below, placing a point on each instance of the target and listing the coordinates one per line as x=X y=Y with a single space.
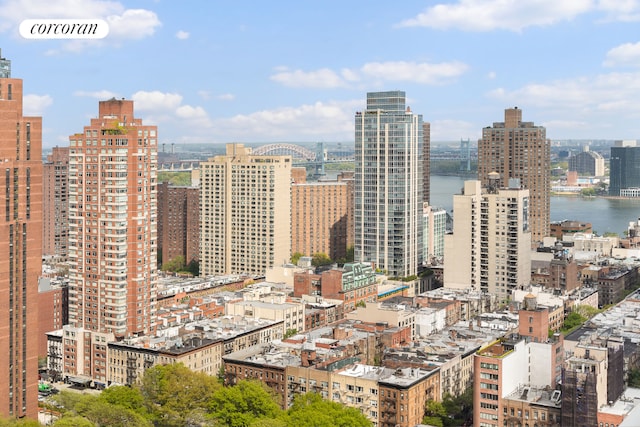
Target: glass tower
x=624 y=166
x=389 y=185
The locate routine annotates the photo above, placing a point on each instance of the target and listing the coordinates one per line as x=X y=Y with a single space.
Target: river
x=604 y=214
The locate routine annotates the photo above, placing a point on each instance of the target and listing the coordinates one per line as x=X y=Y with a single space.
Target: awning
x=80 y=381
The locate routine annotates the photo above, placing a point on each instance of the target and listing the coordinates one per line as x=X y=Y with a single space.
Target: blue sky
x=263 y=71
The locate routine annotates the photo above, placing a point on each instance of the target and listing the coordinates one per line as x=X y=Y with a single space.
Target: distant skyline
x=217 y=72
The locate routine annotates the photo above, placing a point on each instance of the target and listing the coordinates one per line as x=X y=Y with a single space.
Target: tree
x=289 y=333
x=311 y=410
x=573 y=320
x=175 y=264
x=100 y=411
x=243 y=404
x=320 y=258
x=126 y=397
x=296 y=257
x=194 y=267
x=633 y=378
x=24 y=422
x=173 y=392
x=73 y=421
x=104 y=414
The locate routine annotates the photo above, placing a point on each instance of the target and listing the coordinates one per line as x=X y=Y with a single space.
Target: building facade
x=435 y=227
x=245 y=212
x=389 y=141
x=623 y=171
x=178 y=222
x=112 y=223
x=490 y=248
x=353 y=284
x=55 y=203
x=560 y=228
x=587 y=163
x=517 y=149
x=21 y=260
x=320 y=213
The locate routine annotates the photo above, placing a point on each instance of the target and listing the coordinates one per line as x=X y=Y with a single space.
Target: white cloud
x=590 y=104
x=226 y=97
x=320 y=121
x=491 y=75
x=625 y=54
x=372 y=72
x=620 y=10
x=167 y=109
x=487 y=15
x=182 y=35
x=100 y=94
x=34 y=105
x=322 y=78
x=132 y=24
x=424 y=73
x=156 y=101
x=124 y=24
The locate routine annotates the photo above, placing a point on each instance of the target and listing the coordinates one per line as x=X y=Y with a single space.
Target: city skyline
x=463 y=62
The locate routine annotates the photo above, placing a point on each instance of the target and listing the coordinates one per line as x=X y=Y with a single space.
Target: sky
x=297 y=71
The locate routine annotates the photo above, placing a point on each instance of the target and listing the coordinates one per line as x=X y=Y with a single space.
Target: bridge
x=296 y=151
x=302 y=156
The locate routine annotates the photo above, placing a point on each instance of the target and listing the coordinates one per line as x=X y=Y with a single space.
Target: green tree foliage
x=193 y=267
x=104 y=414
x=311 y=410
x=19 y=423
x=453 y=411
x=320 y=259
x=243 y=404
x=290 y=333
x=572 y=321
x=173 y=393
x=433 y=421
x=588 y=192
x=126 y=397
x=98 y=411
x=296 y=257
x=633 y=378
x=73 y=421
x=174 y=264
x=182 y=178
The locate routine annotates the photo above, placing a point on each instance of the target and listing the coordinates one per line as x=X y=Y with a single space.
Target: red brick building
x=354 y=283
x=53 y=310
x=321 y=216
x=178 y=222
x=113 y=223
x=55 y=203
x=21 y=241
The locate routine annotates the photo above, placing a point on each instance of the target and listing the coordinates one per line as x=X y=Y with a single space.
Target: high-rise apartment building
x=245 y=212
x=624 y=173
x=490 y=248
x=426 y=162
x=178 y=222
x=389 y=185
x=517 y=149
x=112 y=223
x=21 y=248
x=587 y=163
x=435 y=228
x=55 y=203
x=320 y=213
x=508 y=370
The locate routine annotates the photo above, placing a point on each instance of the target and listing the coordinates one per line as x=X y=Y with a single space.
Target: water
x=605 y=215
